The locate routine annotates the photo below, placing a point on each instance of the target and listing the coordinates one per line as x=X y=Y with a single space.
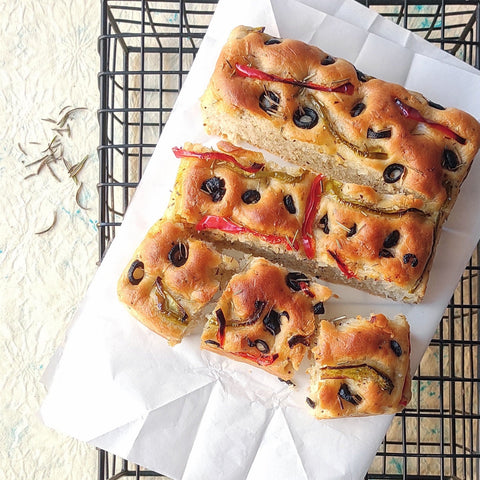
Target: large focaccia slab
x=346 y=233
x=320 y=112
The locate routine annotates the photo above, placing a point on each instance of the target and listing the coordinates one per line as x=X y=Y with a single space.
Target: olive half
x=305 y=117
x=450 y=160
x=272 y=322
x=387 y=133
x=215 y=187
x=345 y=394
x=136 y=272
x=357 y=109
x=178 y=254
x=393 y=173
x=251 y=196
x=391 y=239
x=289 y=204
x=269 y=101
x=328 y=60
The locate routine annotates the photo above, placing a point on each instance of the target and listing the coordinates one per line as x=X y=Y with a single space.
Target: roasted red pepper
x=250 y=72
x=410 y=112
x=313 y=200
x=343 y=268
x=263 y=360
x=225 y=225
x=224 y=157
x=306 y=290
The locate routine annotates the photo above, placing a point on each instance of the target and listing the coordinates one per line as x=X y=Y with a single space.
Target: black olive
x=450 y=160
x=305 y=118
x=215 y=187
x=387 y=133
x=272 y=322
x=410 y=256
x=294 y=279
x=393 y=173
x=296 y=339
x=435 y=105
x=212 y=342
x=395 y=346
x=345 y=394
x=328 y=60
x=324 y=224
x=272 y=41
x=136 y=268
x=289 y=204
x=310 y=402
x=361 y=76
x=262 y=346
x=357 y=109
x=385 y=253
x=288 y=382
x=391 y=239
x=269 y=101
x=178 y=255
x=251 y=196
x=352 y=231
x=318 y=308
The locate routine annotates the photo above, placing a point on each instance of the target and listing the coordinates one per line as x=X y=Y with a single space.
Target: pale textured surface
x=48 y=60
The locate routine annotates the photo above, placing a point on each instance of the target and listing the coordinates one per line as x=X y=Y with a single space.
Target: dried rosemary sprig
x=47 y=229
x=54 y=152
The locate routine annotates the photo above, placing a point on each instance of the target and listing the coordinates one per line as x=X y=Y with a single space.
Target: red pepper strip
x=221 y=327
x=343 y=268
x=226 y=225
x=306 y=290
x=410 y=112
x=250 y=72
x=313 y=199
x=180 y=152
x=263 y=360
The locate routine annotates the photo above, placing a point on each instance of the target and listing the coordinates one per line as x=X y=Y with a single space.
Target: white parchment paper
x=195 y=415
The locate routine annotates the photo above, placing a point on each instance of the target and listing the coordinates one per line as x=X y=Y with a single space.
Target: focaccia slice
x=362 y=367
x=170 y=278
x=320 y=112
x=266 y=317
x=381 y=243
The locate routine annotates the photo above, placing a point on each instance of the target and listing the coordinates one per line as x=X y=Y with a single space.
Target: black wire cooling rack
x=146 y=48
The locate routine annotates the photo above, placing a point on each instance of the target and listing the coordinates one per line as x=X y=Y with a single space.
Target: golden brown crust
x=167 y=296
x=378 y=242
x=362 y=367
x=266 y=322
x=339 y=143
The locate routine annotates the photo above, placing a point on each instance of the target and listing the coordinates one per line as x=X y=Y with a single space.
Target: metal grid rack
x=146 y=48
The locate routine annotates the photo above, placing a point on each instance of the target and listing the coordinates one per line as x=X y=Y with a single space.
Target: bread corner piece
x=170 y=278
x=266 y=318
x=362 y=367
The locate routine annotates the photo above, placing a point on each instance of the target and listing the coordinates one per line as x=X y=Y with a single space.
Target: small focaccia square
x=170 y=278
x=266 y=317
x=362 y=367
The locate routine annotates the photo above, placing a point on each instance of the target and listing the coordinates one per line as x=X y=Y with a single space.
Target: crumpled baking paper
x=192 y=414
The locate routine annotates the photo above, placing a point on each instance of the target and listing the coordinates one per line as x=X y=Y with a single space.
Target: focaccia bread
x=362 y=367
x=170 y=278
x=381 y=243
x=320 y=112
x=266 y=317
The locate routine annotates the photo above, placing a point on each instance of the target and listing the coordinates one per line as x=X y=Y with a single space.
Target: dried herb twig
x=77 y=198
x=54 y=152
x=50 y=227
